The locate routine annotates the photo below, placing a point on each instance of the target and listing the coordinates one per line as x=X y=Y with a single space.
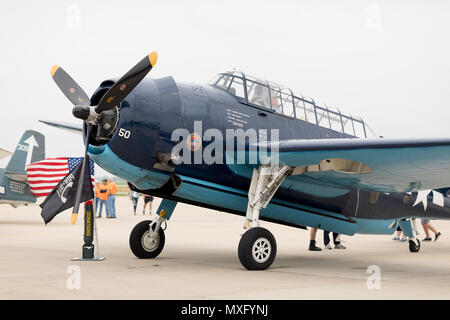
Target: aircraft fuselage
x=142 y=143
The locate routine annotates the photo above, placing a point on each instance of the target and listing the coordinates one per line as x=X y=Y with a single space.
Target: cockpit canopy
x=282 y=100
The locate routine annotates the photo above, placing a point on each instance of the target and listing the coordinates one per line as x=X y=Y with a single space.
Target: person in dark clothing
x=148 y=199
x=312 y=240
x=336 y=240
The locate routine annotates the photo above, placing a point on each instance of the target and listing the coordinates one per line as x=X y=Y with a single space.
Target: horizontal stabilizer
x=4 y=153
x=16 y=175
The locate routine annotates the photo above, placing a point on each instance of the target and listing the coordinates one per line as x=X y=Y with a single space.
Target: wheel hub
x=261 y=250
x=149 y=241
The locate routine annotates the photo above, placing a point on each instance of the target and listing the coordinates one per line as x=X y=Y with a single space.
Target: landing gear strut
x=257 y=247
x=147 y=238
x=409 y=228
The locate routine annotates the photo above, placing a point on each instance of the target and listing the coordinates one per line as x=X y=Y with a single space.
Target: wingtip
x=153 y=57
x=53 y=70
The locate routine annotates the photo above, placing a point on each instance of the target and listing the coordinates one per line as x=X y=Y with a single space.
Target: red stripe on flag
x=47 y=169
x=43 y=188
x=45 y=175
x=57 y=164
x=41 y=194
x=44 y=181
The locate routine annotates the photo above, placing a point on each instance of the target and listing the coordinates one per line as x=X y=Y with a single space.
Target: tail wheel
x=257 y=249
x=414 y=247
x=142 y=244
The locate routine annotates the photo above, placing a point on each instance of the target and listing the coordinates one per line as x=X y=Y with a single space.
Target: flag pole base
x=88 y=254
x=92 y=259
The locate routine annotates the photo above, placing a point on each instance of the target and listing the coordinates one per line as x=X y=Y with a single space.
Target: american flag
x=44 y=175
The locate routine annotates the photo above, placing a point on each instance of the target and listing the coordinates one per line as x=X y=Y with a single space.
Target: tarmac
x=200 y=261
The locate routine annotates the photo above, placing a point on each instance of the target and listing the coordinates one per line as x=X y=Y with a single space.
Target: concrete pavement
x=200 y=261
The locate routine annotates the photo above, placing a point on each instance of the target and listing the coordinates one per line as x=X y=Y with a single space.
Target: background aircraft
x=14 y=189
x=325 y=178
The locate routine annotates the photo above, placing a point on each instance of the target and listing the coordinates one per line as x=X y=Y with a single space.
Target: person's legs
x=337 y=241
x=102 y=202
x=312 y=241
x=426 y=230
x=430 y=227
x=437 y=234
x=134 y=204
x=397 y=233
x=326 y=239
x=150 y=207
x=403 y=237
x=145 y=205
x=108 y=207
x=425 y=225
x=113 y=206
x=312 y=234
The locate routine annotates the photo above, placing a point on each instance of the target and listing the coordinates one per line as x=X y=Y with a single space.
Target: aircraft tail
x=31 y=148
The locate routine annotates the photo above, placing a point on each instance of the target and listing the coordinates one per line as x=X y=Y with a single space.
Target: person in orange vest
x=103 y=197
x=97 y=196
x=111 y=202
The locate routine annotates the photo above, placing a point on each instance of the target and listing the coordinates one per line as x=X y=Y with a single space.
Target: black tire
x=250 y=241
x=413 y=247
x=137 y=241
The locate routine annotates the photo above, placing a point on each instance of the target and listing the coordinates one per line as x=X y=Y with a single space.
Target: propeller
x=91 y=115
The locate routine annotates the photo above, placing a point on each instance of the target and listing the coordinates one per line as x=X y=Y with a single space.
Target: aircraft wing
x=74 y=128
x=385 y=165
x=4 y=153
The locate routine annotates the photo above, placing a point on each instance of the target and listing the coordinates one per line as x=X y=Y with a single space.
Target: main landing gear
x=257 y=247
x=147 y=237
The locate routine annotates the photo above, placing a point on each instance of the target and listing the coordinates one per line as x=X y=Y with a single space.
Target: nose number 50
x=124 y=133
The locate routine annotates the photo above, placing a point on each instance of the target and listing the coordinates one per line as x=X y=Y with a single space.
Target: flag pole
x=88 y=249
x=97 y=251
x=81 y=178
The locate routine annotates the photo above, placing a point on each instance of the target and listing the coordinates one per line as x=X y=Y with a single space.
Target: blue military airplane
x=14 y=188
x=307 y=166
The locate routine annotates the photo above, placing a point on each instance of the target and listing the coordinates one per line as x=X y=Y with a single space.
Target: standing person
x=426 y=225
x=103 y=198
x=112 y=188
x=97 y=196
x=148 y=199
x=312 y=240
x=134 y=197
x=336 y=240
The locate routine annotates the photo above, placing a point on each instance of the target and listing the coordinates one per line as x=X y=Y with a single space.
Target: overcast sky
x=386 y=61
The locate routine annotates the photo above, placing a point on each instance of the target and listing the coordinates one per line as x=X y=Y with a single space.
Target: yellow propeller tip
x=74 y=218
x=153 y=57
x=53 y=70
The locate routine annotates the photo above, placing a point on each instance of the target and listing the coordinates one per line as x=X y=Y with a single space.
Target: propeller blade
x=127 y=83
x=76 y=206
x=69 y=87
